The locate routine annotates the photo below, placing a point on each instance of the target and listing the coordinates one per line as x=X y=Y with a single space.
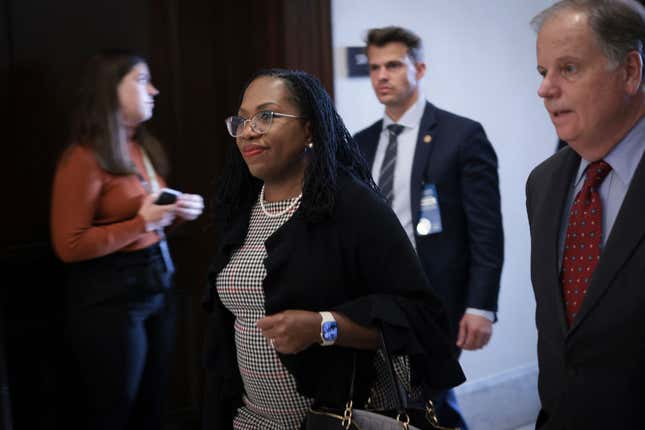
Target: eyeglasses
x=260 y=122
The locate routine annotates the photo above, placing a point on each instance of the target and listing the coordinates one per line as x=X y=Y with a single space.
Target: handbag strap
x=401 y=397
x=401 y=401
x=353 y=379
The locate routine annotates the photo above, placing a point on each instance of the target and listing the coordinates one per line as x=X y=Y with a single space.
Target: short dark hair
x=618 y=25
x=382 y=36
x=334 y=151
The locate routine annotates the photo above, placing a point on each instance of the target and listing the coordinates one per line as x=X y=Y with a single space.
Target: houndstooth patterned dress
x=271 y=401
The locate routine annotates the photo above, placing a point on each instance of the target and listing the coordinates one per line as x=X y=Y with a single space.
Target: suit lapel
x=425 y=143
x=369 y=144
x=626 y=234
x=559 y=182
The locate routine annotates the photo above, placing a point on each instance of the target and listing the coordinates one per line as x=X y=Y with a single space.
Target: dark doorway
x=200 y=53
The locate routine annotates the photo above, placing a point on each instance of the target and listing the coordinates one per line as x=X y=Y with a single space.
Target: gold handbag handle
x=431 y=416
x=347 y=415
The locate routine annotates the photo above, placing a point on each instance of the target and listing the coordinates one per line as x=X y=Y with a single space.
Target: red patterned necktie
x=584 y=239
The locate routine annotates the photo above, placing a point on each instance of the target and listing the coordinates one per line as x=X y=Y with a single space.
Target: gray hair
x=618 y=25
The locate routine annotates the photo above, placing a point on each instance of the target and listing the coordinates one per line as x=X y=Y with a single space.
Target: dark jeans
x=123 y=342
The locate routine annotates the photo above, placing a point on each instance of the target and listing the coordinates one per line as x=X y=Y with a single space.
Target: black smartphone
x=168 y=196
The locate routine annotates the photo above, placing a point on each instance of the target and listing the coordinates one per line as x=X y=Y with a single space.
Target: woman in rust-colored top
x=106 y=225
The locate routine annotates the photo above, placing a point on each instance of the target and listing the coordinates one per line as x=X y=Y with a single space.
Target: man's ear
x=420 y=67
x=633 y=68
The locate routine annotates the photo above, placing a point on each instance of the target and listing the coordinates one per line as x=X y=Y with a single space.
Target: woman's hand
x=291 y=331
x=156 y=216
x=189 y=206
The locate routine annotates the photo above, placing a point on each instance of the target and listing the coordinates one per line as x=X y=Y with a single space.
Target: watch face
x=329 y=331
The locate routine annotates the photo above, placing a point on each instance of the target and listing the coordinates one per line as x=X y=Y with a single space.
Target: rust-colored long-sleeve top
x=95 y=213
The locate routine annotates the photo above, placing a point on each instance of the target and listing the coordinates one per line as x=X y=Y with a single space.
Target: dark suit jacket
x=592 y=375
x=464 y=261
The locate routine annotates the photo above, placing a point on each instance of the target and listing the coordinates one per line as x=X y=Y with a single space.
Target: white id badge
x=429 y=214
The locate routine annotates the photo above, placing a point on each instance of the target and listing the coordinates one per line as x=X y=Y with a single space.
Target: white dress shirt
x=406 y=146
x=623 y=159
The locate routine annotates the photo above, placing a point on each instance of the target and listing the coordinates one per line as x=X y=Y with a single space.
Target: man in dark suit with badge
x=439 y=172
x=585 y=207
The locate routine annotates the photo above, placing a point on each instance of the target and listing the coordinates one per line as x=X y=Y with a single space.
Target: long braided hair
x=334 y=151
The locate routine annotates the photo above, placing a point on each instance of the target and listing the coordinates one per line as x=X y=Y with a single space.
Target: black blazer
x=464 y=261
x=357 y=262
x=592 y=375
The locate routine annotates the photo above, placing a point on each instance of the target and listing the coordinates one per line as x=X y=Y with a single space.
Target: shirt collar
x=412 y=117
x=624 y=157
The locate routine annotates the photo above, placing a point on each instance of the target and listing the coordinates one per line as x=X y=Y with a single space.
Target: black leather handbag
x=401 y=417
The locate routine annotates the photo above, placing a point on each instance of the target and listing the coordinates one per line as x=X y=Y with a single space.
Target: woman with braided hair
x=311 y=263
